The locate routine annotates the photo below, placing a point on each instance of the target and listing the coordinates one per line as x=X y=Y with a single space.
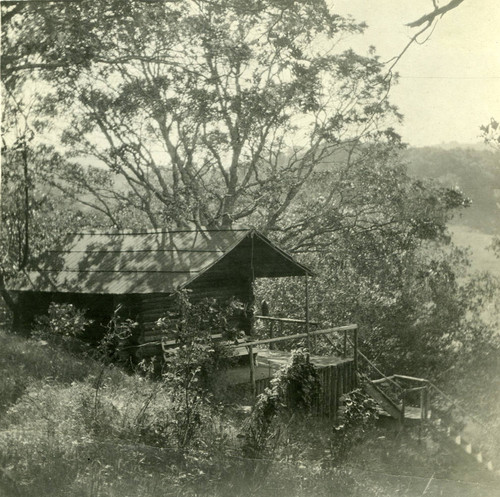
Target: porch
x=267 y=354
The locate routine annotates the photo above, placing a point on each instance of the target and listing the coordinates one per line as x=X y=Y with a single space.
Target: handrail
x=429 y=385
x=285 y=320
x=414 y=389
x=455 y=403
x=375 y=368
x=382 y=380
x=410 y=378
x=296 y=336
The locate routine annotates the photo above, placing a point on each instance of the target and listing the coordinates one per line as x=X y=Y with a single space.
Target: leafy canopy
x=208 y=112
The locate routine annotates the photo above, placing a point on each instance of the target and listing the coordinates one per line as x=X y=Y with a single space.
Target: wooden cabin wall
x=30 y=305
x=146 y=309
x=151 y=307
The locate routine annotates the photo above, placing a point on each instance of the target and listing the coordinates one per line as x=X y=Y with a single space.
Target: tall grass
x=70 y=426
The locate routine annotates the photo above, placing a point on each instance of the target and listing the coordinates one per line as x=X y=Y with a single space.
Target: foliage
x=192 y=327
x=190 y=366
x=116 y=337
x=209 y=316
x=297 y=382
x=491 y=133
x=359 y=414
x=474 y=171
x=33 y=216
x=296 y=387
x=48 y=214
x=360 y=410
x=387 y=265
x=25 y=361
x=220 y=88
x=61 y=324
x=58 y=440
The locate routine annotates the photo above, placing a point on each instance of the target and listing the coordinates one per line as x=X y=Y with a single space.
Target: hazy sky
x=449 y=85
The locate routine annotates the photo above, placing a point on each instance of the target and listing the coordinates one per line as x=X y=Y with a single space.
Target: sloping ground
x=427 y=464
x=69 y=427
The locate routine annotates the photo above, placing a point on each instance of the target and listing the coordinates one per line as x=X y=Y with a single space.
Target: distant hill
x=480 y=146
x=476 y=172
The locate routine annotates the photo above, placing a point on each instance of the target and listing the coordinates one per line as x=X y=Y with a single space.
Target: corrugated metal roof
x=142 y=262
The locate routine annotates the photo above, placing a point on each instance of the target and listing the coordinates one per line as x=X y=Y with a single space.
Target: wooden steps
x=467 y=446
x=410 y=415
x=377 y=394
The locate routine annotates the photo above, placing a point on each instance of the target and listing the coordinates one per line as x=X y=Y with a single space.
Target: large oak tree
x=208 y=112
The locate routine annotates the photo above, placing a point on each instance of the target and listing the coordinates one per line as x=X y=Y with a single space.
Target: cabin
x=141 y=271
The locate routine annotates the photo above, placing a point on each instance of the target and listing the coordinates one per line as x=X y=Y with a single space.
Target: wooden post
x=335 y=393
x=252 y=370
x=424 y=402
x=403 y=401
x=250 y=306
x=356 y=349
x=427 y=401
x=271 y=333
x=307 y=315
x=345 y=344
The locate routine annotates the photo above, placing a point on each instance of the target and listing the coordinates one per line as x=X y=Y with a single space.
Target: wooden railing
x=275 y=322
x=267 y=341
x=405 y=392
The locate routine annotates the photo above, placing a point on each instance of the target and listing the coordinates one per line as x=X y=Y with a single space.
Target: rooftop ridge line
x=156 y=232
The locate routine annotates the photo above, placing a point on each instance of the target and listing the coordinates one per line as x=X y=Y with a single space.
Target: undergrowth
x=75 y=426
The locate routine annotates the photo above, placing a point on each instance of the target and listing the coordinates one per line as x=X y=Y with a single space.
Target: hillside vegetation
x=71 y=426
x=178 y=114
x=476 y=171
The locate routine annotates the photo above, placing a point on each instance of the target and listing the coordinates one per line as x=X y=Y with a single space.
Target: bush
x=359 y=414
x=296 y=386
x=112 y=346
x=61 y=325
x=189 y=367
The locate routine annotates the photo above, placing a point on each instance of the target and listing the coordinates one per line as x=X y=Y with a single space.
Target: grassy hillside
x=70 y=426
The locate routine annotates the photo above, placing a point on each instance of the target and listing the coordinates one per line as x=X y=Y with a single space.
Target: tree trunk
x=11 y=303
x=25 y=257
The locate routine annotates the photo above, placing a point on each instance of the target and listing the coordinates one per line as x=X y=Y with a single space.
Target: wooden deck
x=269 y=361
x=337 y=377
x=275 y=359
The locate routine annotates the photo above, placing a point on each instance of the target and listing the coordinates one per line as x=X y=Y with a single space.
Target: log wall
x=145 y=309
x=149 y=308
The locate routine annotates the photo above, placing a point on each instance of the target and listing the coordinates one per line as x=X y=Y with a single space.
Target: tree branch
x=431 y=16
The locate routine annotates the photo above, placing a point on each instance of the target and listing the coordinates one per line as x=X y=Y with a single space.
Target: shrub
x=62 y=324
x=112 y=346
x=296 y=386
x=359 y=414
x=190 y=367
